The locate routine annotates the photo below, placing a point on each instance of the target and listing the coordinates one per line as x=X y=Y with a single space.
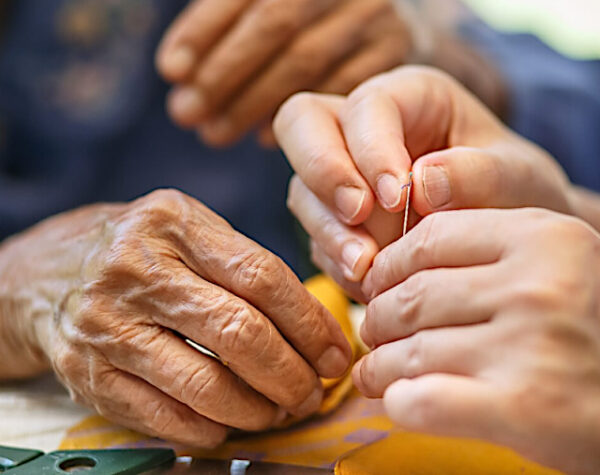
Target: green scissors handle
x=15 y=461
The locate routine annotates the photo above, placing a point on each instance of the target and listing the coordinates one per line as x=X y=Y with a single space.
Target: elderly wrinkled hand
x=112 y=290
x=234 y=62
x=353 y=155
x=486 y=324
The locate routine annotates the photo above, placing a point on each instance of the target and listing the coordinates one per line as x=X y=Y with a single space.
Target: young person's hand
x=486 y=324
x=353 y=155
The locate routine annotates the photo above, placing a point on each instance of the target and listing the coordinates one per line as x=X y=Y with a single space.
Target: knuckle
x=433 y=76
x=277 y=19
x=134 y=339
x=369 y=145
x=163 y=420
x=546 y=222
x=537 y=295
x=409 y=299
x=260 y=272
x=372 y=323
x=306 y=61
x=322 y=161
x=67 y=363
x=240 y=331
x=202 y=385
x=425 y=240
x=383 y=269
x=292 y=109
x=414 y=355
x=103 y=385
x=364 y=92
x=359 y=99
x=525 y=400
x=160 y=210
x=570 y=229
x=166 y=198
x=368 y=374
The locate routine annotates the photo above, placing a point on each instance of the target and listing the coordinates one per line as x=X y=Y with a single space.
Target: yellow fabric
x=343 y=430
x=417 y=454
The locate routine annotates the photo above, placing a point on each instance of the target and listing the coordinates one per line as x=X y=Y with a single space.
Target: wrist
x=39 y=269
x=21 y=355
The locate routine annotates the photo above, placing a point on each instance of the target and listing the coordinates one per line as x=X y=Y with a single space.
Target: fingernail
x=389 y=190
x=351 y=254
x=349 y=201
x=437 y=186
x=311 y=404
x=332 y=363
x=188 y=101
x=180 y=62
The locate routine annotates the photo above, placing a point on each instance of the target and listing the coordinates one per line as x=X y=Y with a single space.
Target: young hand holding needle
x=353 y=155
x=483 y=323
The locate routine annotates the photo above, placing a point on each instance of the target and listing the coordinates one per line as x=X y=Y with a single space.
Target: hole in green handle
x=77 y=464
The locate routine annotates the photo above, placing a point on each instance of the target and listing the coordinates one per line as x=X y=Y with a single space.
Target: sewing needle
x=408 y=188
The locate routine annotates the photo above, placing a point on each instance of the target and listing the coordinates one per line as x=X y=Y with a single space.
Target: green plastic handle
x=92 y=462
x=12 y=457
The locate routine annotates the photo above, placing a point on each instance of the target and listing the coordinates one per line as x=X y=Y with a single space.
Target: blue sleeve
x=555 y=101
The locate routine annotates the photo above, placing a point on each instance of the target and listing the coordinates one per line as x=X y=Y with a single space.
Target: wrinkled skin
x=352 y=155
x=486 y=324
x=234 y=62
x=99 y=293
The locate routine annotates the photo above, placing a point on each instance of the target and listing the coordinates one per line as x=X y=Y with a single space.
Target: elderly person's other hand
x=486 y=324
x=353 y=155
x=106 y=293
x=236 y=61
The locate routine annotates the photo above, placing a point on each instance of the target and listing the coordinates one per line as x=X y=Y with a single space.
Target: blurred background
x=569 y=26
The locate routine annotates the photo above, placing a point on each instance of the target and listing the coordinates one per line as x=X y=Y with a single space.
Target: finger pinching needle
x=408 y=188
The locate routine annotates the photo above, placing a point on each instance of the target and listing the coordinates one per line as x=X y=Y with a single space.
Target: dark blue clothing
x=555 y=101
x=83 y=120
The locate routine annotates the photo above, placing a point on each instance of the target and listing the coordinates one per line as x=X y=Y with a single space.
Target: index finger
x=308 y=131
x=394 y=118
x=374 y=133
x=201 y=24
x=446 y=239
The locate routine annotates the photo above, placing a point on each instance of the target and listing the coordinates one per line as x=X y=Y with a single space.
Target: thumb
x=464 y=177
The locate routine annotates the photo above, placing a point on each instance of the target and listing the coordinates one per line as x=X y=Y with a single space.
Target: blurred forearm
x=476 y=72
x=436 y=42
